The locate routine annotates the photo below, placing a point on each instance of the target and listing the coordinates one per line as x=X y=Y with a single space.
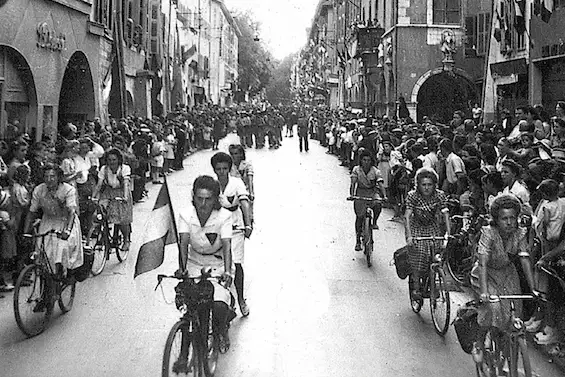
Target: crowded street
x=316 y=309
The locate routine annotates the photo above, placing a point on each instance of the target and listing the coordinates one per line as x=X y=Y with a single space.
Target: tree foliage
x=255 y=61
x=278 y=90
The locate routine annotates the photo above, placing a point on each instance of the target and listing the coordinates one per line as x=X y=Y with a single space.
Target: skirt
x=119 y=212
x=68 y=252
x=420 y=254
x=238 y=247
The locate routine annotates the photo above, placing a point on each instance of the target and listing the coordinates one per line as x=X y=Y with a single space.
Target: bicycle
x=460 y=254
x=501 y=346
x=435 y=289
x=38 y=288
x=367 y=236
x=98 y=240
x=192 y=346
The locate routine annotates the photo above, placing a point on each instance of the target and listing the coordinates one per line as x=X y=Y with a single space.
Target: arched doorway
x=76 y=101
x=439 y=93
x=18 y=97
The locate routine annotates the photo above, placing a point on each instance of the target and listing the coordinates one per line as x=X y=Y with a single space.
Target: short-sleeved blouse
x=54 y=204
x=206 y=241
x=368 y=180
x=114 y=180
x=243 y=171
x=498 y=252
x=231 y=198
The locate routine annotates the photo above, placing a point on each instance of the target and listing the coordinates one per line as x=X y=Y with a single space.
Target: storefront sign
x=48 y=38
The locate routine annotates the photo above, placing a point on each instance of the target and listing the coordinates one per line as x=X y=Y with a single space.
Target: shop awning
x=516 y=66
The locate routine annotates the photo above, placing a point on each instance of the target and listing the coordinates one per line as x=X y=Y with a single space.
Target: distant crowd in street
x=475 y=162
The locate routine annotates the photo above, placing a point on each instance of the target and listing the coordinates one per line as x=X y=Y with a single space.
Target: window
x=447 y=12
x=483 y=23
x=470 y=36
x=103 y=12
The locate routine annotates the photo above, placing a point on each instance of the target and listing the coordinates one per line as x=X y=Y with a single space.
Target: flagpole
x=177 y=236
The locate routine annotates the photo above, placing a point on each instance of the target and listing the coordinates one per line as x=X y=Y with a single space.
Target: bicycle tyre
x=66 y=302
x=174 y=341
x=440 y=303
x=118 y=241
x=100 y=249
x=29 y=291
x=519 y=347
x=458 y=276
x=210 y=359
x=368 y=240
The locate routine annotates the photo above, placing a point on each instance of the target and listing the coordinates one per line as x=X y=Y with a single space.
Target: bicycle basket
x=194 y=294
x=401 y=262
x=81 y=273
x=466 y=327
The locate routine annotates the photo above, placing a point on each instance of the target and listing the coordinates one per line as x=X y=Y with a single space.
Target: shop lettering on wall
x=48 y=38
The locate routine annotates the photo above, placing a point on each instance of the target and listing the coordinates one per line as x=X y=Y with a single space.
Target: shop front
x=48 y=66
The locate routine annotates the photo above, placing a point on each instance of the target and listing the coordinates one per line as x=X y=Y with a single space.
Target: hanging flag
x=537 y=7
x=520 y=16
x=546 y=10
x=160 y=230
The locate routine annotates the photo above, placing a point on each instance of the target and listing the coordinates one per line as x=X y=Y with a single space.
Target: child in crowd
x=547 y=225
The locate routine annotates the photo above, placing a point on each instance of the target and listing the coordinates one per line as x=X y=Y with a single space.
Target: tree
x=254 y=59
x=278 y=90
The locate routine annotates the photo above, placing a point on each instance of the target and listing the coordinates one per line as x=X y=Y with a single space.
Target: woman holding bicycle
x=495 y=272
x=366 y=181
x=425 y=205
x=207 y=228
x=114 y=191
x=235 y=198
x=58 y=201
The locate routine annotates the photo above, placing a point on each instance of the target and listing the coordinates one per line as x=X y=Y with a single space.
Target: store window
x=447 y=12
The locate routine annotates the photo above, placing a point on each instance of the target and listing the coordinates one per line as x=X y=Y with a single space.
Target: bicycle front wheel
x=455 y=268
x=179 y=357
x=368 y=240
x=67 y=297
x=31 y=301
x=519 y=359
x=118 y=241
x=440 y=304
x=95 y=241
x=212 y=351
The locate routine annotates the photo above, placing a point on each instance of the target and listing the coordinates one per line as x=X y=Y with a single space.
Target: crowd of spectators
x=150 y=148
x=476 y=161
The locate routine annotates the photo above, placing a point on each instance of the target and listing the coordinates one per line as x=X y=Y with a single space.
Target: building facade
x=74 y=60
x=431 y=53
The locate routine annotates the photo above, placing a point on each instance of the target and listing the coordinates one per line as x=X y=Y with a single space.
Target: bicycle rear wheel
x=368 y=240
x=95 y=241
x=67 y=297
x=179 y=358
x=520 y=365
x=31 y=301
x=440 y=304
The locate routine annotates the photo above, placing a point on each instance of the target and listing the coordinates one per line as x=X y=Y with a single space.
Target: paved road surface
x=316 y=309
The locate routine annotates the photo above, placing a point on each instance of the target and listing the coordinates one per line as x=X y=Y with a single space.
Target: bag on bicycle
x=81 y=273
x=401 y=262
x=466 y=327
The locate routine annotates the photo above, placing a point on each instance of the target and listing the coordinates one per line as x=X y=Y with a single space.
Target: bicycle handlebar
x=39 y=235
x=437 y=238
x=364 y=198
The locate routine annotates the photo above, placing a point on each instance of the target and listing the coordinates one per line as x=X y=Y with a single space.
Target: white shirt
x=231 y=197
x=430 y=161
x=521 y=192
x=82 y=167
x=205 y=241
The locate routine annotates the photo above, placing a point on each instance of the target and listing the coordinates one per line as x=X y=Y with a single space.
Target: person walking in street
x=235 y=197
x=303 y=133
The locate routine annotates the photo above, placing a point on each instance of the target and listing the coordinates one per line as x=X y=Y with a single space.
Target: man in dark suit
x=303 y=132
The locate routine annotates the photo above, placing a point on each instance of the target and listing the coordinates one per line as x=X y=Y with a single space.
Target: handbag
x=466 y=327
x=401 y=262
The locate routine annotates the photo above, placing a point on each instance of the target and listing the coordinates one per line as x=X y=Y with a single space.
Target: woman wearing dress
x=114 y=191
x=366 y=181
x=242 y=168
x=58 y=202
x=16 y=156
x=425 y=208
x=495 y=273
x=207 y=228
x=235 y=198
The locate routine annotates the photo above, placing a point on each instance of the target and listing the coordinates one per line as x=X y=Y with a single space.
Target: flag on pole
x=547 y=10
x=160 y=230
x=520 y=16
